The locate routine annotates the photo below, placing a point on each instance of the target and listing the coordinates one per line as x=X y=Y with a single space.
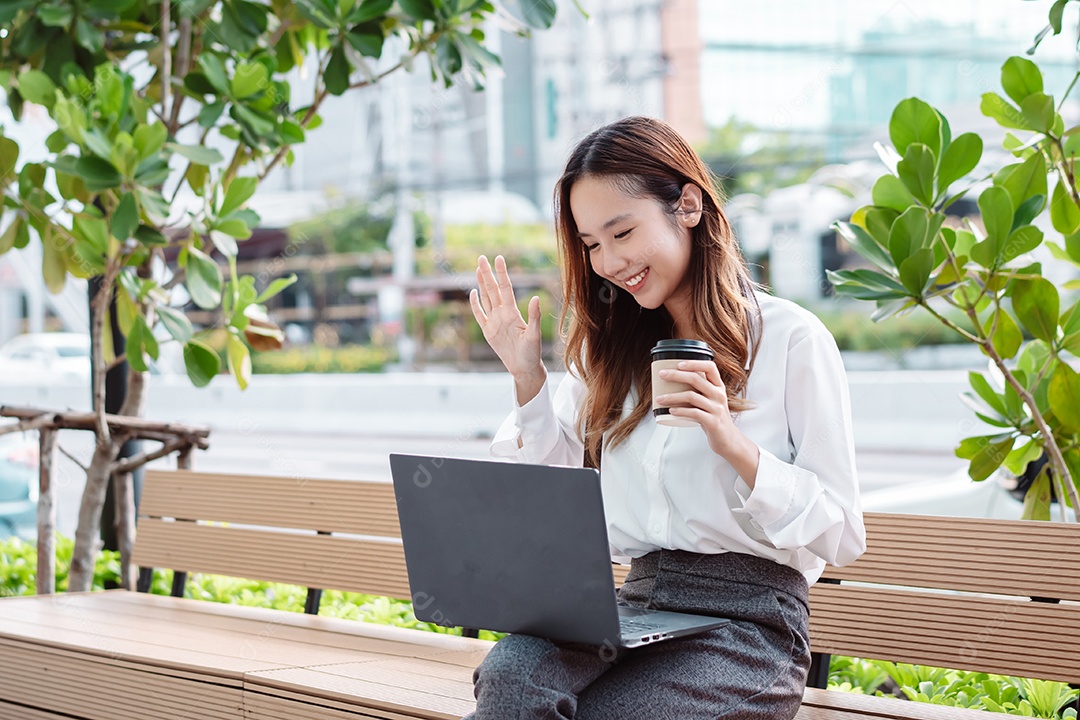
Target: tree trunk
x=125 y=527
x=87 y=534
x=46 y=514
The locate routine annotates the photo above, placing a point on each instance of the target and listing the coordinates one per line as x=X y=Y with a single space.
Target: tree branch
x=71 y=457
x=26 y=425
x=133 y=463
x=164 y=30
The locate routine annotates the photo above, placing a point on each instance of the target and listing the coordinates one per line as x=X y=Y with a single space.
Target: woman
x=733 y=516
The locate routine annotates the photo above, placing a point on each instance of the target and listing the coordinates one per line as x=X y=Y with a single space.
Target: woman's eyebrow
x=613 y=221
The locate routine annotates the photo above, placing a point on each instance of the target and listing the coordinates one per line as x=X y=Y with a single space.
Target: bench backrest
x=995 y=596
x=335 y=534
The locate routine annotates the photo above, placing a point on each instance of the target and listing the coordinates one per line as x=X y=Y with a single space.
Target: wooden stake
x=46 y=513
x=124 y=515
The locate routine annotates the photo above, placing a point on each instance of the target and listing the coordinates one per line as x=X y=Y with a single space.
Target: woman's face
x=636 y=243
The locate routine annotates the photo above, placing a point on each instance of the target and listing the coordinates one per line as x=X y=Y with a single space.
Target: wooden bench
x=132 y=655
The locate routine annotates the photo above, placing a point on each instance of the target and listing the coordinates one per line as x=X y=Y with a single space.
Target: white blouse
x=664 y=487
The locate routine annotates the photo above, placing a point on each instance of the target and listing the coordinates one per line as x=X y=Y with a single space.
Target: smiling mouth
x=637 y=279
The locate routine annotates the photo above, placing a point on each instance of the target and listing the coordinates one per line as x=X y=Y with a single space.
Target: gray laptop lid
x=507 y=547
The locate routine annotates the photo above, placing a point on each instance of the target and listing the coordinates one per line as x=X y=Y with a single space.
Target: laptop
x=518 y=548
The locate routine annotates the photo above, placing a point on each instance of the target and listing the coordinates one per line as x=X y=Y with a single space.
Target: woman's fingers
x=477 y=310
x=489 y=286
x=502 y=278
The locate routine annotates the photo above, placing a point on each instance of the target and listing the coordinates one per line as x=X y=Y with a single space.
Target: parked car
x=56 y=356
x=18 y=484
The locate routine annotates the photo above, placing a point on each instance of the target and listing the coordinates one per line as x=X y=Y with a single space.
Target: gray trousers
x=752 y=668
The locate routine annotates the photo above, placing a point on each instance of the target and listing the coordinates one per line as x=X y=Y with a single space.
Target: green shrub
x=854 y=330
x=18 y=566
x=954 y=688
x=313 y=359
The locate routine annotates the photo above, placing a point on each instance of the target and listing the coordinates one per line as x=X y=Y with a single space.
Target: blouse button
x=656 y=529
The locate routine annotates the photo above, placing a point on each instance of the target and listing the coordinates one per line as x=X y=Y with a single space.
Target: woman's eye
x=623 y=234
x=592 y=247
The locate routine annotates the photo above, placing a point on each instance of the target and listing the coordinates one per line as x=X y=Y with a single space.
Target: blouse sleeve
x=546 y=427
x=812 y=500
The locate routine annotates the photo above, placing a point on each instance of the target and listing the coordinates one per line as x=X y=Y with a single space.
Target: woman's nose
x=614 y=263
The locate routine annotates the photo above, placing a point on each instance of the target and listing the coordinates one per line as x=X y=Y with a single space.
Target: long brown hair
x=609 y=335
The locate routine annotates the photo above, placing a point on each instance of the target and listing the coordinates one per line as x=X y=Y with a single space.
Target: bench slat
x=346 y=506
x=321 y=561
x=833 y=705
x=1014 y=557
x=994 y=635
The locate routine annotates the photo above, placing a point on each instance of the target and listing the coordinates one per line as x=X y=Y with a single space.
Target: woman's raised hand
x=515 y=341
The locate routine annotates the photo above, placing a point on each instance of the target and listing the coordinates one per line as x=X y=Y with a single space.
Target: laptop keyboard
x=635 y=626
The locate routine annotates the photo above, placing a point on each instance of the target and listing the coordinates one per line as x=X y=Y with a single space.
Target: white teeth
x=636 y=279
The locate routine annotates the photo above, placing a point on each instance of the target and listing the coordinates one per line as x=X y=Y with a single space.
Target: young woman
x=731 y=516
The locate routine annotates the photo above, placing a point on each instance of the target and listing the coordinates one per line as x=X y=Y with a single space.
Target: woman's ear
x=689 y=211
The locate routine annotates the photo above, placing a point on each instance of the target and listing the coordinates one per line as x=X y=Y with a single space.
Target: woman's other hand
x=706 y=403
x=515 y=341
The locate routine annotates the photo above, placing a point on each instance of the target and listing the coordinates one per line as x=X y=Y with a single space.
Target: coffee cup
x=666 y=355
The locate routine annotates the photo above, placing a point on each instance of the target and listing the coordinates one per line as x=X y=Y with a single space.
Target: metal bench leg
x=470 y=632
x=314 y=599
x=146 y=579
x=818 y=677
x=179 y=580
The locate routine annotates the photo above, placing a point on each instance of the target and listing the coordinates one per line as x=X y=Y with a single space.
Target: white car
x=56 y=356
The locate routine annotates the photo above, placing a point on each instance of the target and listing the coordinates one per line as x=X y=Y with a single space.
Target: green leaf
x=337 y=72
x=1056 y=11
x=915 y=270
x=150 y=236
x=126 y=310
x=996 y=208
x=1017 y=460
x=1036 y=305
x=7 y=240
x=94 y=232
x=175 y=322
x=203 y=280
x=1064 y=396
x=274 y=288
x=209 y=114
x=369 y=10
x=998 y=108
x=959 y=158
x=913 y=121
x=983 y=389
x=53 y=266
x=225 y=243
x=1006 y=337
x=148 y=139
x=1020 y=78
x=1022 y=240
x=233 y=227
x=97 y=174
x=890 y=192
x=1028 y=210
x=986 y=454
x=37 y=87
x=214 y=70
x=125 y=218
x=1038 y=112
x=1064 y=214
x=908 y=234
x=250 y=78
x=418 y=9
x=239 y=361
x=916 y=171
x=201 y=362
x=240 y=191
x=1026 y=180
x=196 y=153
x=538 y=14
x=866 y=285
x=865 y=245
x=368 y=44
x=55 y=15
x=1037 y=502
x=89 y=36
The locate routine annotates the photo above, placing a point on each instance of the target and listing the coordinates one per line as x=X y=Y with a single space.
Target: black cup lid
x=683 y=345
